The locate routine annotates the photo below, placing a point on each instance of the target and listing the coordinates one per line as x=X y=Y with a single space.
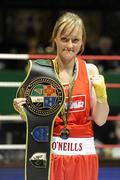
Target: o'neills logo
x=66 y=146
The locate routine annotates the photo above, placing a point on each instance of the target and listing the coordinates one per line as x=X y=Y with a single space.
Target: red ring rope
x=87 y=57
x=113 y=118
x=110 y=118
x=113 y=85
x=112 y=57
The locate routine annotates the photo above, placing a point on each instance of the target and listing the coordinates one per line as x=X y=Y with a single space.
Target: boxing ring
x=14 y=172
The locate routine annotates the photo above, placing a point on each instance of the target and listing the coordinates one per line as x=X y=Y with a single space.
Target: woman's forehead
x=70 y=31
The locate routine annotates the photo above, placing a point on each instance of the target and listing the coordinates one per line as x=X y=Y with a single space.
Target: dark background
x=107 y=10
x=81 y=4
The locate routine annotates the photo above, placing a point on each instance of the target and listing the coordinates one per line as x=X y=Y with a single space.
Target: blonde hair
x=69 y=21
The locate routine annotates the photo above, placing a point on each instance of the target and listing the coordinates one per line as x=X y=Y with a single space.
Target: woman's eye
x=64 y=39
x=75 y=40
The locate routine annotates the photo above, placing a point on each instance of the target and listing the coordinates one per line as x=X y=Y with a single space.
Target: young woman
x=73 y=151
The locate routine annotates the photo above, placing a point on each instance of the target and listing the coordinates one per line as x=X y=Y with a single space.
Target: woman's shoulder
x=92 y=69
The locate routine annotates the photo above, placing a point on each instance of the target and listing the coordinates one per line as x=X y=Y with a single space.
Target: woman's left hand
x=98 y=83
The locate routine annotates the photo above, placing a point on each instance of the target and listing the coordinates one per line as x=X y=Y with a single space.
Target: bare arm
x=100 y=107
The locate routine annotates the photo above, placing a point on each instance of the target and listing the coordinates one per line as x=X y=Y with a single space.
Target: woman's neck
x=64 y=70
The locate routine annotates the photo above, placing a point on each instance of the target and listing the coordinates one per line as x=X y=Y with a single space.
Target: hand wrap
x=98 y=83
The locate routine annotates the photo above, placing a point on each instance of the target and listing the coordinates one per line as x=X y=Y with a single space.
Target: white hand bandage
x=98 y=83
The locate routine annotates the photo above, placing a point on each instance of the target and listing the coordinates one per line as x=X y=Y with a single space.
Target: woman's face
x=68 y=45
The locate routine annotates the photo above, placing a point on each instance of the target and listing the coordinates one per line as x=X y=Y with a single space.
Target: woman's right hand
x=18 y=104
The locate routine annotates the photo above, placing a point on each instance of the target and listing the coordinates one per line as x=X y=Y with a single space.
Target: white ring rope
x=17 y=117
x=10 y=84
x=23 y=146
x=14 y=56
x=12 y=146
x=11 y=118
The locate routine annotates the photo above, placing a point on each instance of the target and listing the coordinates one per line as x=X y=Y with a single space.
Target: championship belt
x=44 y=100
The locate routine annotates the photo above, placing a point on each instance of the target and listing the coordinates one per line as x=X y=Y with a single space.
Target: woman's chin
x=69 y=57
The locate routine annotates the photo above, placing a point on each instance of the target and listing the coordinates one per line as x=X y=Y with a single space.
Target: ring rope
x=12 y=146
x=17 y=84
x=51 y=56
x=14 y=56
x=10 y=84
x=87 y=57
x=110 y=146
x=23 y=146
x=17 y=117
x=111 y=118
x=10 y=118
x=113 y=85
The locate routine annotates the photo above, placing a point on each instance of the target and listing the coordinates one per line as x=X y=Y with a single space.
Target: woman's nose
x=70 y=44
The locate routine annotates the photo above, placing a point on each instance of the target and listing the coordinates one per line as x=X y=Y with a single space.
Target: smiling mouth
x=68 y=50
